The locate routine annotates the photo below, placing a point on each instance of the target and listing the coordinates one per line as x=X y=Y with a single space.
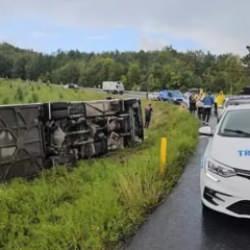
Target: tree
x=5 y=66
x=133 y=75
x=152 y=70
x=67 y=73
x=19 y=68
x=35 y=67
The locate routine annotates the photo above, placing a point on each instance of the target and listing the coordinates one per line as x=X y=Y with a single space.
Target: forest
x=142 y=70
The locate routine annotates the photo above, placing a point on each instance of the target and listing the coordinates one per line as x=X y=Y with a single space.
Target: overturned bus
x=38 y=136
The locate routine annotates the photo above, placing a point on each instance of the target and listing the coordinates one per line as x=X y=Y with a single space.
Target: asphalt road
x=178 y=224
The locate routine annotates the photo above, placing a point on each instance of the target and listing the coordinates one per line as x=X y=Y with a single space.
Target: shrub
x=6 y=100
x=61 y=96
x=19 y=94
x=34 y=97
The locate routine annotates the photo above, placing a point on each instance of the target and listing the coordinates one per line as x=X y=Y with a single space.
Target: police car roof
x=239 y=107
x=239 y=97
x=237 y=100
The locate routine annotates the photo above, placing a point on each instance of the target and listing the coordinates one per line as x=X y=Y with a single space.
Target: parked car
x=71 y=86
x=155 y=96
x=245 y=91
x=163 y=95
x=175 y=96
x=113 y=87
x=225 y=170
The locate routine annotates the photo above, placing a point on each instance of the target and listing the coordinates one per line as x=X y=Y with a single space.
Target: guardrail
x=138 y=94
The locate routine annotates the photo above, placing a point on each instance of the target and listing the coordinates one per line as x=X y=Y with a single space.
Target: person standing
x=218 y=103
x=199 y=104
x=208 y=103
x=148 y=115
x=192 y=103
x=220 y=99
x=216 y=100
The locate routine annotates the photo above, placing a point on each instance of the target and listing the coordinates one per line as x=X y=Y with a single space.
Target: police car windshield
x=236 y=124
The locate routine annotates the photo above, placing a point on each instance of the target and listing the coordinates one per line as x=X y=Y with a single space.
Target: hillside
x=17 y=91
x=141 y=70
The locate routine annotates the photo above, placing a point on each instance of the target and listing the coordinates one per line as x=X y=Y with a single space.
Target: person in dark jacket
x=148 y=115
x=192 y=104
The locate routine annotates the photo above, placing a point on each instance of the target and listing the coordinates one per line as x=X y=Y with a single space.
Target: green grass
x=101 y=202
x=14 y=92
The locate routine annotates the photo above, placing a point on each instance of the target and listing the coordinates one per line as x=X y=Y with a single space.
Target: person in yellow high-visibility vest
x=219 y=101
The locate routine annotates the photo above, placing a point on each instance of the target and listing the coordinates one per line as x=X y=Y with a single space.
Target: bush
x=101 y=201
x=34 y=98
x=6 y=100
x=61 y=96
x=19 y=94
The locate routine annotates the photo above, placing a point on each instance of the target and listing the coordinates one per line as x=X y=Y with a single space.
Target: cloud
x=97 y=37
x=39 y=34
x=216 y=25
x=148 y=43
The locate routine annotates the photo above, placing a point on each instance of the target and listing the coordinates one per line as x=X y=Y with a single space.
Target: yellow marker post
x=163 y=156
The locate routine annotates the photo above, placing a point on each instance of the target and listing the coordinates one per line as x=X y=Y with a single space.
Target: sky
x=219 y=26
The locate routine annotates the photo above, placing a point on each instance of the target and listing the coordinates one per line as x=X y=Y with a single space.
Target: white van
x=113 y=87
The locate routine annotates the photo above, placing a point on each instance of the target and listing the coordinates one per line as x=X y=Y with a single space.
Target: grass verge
x=101 y=202
x=15 y=92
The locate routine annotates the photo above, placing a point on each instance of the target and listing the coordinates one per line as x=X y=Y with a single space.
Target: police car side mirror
x=207 y=131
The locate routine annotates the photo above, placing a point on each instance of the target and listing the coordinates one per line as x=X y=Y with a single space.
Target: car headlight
x=219 y=169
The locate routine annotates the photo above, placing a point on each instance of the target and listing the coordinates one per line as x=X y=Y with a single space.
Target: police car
x=225 y=172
